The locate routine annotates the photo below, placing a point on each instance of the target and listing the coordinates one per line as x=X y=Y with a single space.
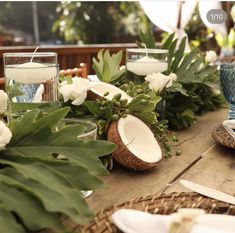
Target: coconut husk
x=222 y=137
x=93 y=96
x=122 y=155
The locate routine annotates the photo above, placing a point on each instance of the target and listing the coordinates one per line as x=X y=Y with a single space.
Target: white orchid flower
x=211 y=56
x=3 y=101
x=5 y=135
x=77 y=91
x=159 y=81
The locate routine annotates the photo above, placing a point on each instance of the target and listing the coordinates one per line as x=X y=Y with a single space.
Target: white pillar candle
x=30 y=72
x=146 y=65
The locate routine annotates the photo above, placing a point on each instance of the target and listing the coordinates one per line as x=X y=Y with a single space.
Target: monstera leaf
x=36 y=187
x=108 y=67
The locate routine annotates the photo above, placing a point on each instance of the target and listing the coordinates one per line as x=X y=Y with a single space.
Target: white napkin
x=134 y=221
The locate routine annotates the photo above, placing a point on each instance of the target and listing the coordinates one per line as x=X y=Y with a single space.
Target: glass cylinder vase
x=31 y=82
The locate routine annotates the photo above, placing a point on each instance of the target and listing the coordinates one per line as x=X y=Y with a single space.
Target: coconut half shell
x=99 y=89
x=137 y=147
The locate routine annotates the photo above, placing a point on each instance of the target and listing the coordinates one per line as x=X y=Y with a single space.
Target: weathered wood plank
x=124 y=185
x=216 y=169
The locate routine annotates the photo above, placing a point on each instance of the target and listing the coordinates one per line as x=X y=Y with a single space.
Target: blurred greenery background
x=28 y=23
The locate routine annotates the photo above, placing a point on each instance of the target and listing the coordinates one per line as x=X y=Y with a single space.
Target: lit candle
x=146 y=65
x=30 y=72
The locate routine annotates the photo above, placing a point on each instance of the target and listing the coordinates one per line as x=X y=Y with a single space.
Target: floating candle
x=146 y=65
x=30 y=72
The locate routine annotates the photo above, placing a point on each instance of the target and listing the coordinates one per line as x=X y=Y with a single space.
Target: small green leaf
x=178 y=55
x=168 y=42
x=93 y=108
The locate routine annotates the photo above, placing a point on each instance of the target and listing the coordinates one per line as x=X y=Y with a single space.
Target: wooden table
x=201 y=161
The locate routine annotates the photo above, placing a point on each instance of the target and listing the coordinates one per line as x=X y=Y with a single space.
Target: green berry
x=114 y=117
x=124 y=102
x=138 y=91
x=118 y=96
x=175 y=138
x=127 y=111
x=106 y=93
x=131 y=84
x=124 y=115
x=125 y=85
x=117 y=104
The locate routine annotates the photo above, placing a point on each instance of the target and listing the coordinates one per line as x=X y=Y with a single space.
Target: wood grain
x=216 y=169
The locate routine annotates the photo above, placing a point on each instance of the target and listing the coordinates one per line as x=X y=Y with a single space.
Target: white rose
x=3 y=101
x=211 y=56
x=5 y=135
x=158 y=81
x=77 y=91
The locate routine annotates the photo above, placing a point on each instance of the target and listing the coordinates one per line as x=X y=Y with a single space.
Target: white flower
x=158 y=81
x=5 y=135
x=232 y=12
x=77 y=91
x=3 y=101
x=211 y=56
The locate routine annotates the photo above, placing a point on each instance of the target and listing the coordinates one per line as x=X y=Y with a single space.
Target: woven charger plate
x=164 y=204
x=222 y=137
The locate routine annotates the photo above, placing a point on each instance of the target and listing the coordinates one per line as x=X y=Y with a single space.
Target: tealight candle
x=30 y=72
x=146 y=64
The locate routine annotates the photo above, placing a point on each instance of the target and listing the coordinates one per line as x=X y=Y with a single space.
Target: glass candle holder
x=91 y=128
x=146 y=61
x=227 y=81
x=31 y=81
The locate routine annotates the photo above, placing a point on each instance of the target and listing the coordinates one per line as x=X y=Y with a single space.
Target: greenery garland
x=196 y=89
x=31 y=175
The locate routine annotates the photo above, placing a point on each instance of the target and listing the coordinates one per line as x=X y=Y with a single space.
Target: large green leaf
x=34 y=182
x=29 y=210
x=8 y=222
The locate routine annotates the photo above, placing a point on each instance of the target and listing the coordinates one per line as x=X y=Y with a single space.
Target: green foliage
x=198 y=81
x=147 y=38
x=34 y=182
x=194 y=91
x=99 y=22
x=107 y=68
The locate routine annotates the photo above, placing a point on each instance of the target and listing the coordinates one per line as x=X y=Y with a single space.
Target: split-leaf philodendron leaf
x=37 y=188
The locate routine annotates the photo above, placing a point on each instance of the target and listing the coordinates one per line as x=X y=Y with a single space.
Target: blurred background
x=76 y=31
x=57 y=23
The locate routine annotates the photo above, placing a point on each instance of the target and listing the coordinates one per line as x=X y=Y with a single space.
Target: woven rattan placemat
x=163 y=204
x=222 y=137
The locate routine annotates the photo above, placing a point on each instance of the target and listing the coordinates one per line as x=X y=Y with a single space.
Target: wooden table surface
x=201 y=161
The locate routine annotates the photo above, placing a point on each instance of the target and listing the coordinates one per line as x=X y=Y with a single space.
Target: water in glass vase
x=31 y=85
